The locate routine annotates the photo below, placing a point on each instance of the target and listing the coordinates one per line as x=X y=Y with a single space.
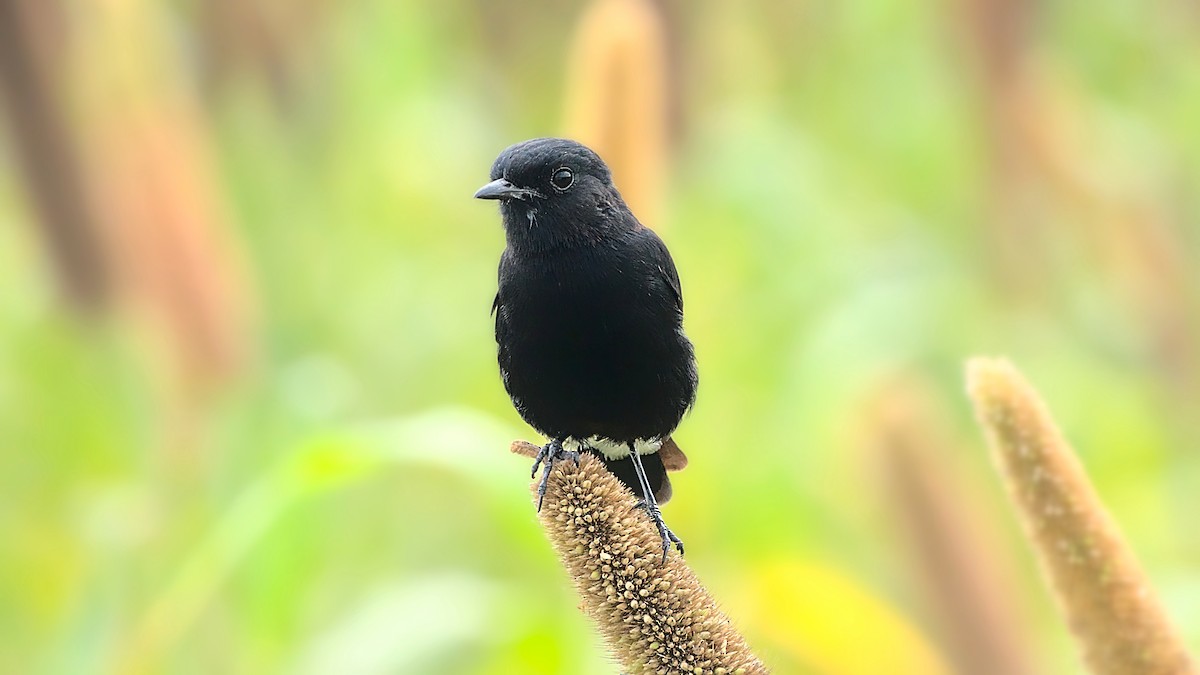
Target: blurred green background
x=250 y=419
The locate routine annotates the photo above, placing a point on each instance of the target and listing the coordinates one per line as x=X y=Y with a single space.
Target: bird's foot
x=543 y=452
x=549 y=454
x=668 y=537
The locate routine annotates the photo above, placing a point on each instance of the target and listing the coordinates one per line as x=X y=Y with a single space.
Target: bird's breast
x=588 y=299
x=590 y=347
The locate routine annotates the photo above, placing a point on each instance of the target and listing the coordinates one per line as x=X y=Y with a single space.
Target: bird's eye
x=562 y=178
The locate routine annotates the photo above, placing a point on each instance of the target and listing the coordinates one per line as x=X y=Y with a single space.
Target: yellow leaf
x=829 y=624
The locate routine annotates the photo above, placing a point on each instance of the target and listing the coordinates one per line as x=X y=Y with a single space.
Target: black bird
x=589 y=320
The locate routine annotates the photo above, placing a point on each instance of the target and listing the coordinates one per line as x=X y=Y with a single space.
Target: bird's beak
x=501 y=189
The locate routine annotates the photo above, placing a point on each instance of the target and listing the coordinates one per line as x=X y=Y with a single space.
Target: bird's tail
x=656 y=473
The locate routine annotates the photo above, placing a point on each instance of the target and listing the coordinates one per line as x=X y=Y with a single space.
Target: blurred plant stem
x=654 y=617
x=1131 y=236
x=996 y=36
x=115 y=156
x=48 y=153
x=267 y=41
x=149 y=165
x=962 y=566
x=1116 y=618
x=619 y=97
x=1064 y=192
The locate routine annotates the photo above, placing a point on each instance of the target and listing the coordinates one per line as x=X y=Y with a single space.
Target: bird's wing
x=672 y=277
x=672 y=457
x=666 y=267
x=656 y=254
x=497 y=303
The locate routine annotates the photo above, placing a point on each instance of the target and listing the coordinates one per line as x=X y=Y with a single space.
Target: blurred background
x=250 y=419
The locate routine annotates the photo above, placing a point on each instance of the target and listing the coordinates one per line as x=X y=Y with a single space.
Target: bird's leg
x=537 y=461
x=549 y=454
x=651 y=506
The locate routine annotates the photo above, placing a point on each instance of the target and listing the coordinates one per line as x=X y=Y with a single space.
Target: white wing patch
x=613 y=450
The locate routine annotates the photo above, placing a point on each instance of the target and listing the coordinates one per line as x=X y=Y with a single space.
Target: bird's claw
x=549 y=454
x=537 y=461
x=668 y=537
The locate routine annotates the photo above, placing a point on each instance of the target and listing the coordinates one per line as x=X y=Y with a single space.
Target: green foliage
x=348 y=504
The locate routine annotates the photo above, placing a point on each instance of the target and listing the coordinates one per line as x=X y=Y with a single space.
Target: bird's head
x=554 y=193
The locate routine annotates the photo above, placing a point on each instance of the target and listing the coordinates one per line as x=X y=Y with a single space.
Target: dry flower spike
x=1114 y=614
x=654 y=617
